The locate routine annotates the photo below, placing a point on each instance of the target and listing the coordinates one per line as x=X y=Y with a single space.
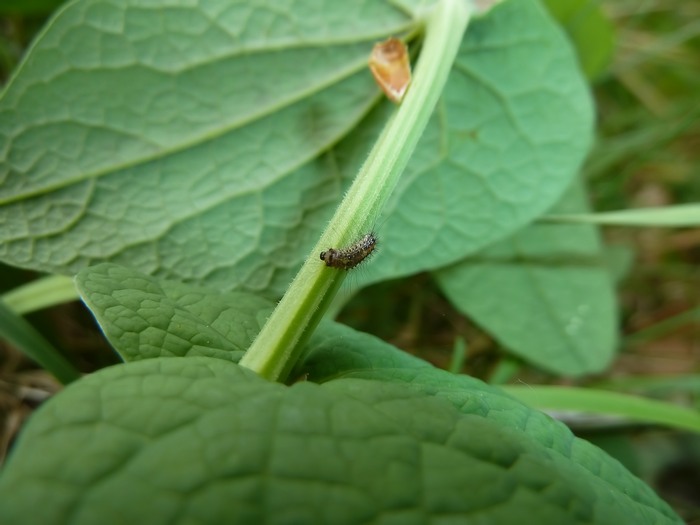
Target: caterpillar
x=348 y=258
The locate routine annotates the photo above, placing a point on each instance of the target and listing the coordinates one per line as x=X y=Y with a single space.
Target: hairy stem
x=279 y=344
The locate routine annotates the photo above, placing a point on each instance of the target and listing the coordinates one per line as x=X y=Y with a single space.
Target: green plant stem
x=663 y=328
x=505 y=370
x=279 y=344
x=42 y=293
x=601 y=402
x=24 y=336
x=459 y=355
x=664 y=217
x=667 y=385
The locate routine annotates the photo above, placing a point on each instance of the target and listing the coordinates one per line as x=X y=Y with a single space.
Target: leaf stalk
x=279 y=344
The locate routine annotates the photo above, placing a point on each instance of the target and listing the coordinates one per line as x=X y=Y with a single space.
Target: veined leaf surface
x=209 y=142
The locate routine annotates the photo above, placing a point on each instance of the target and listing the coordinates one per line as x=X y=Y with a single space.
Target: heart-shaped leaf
x=545 y=293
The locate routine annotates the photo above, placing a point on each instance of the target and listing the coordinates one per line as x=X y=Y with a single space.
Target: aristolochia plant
x=184 y=157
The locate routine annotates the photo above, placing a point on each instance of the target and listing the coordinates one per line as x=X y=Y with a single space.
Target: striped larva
x=348 y=258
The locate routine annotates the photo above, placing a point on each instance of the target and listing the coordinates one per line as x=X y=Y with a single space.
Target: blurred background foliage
x=643 y=61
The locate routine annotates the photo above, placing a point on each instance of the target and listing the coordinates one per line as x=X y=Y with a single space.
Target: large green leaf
x=545 y=293
x=203 y=141
x=162 y=438
x=188 y=132
x=337 y=352
x=201 y=440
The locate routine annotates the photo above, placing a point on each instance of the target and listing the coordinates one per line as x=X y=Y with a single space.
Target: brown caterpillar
x=348 y=258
